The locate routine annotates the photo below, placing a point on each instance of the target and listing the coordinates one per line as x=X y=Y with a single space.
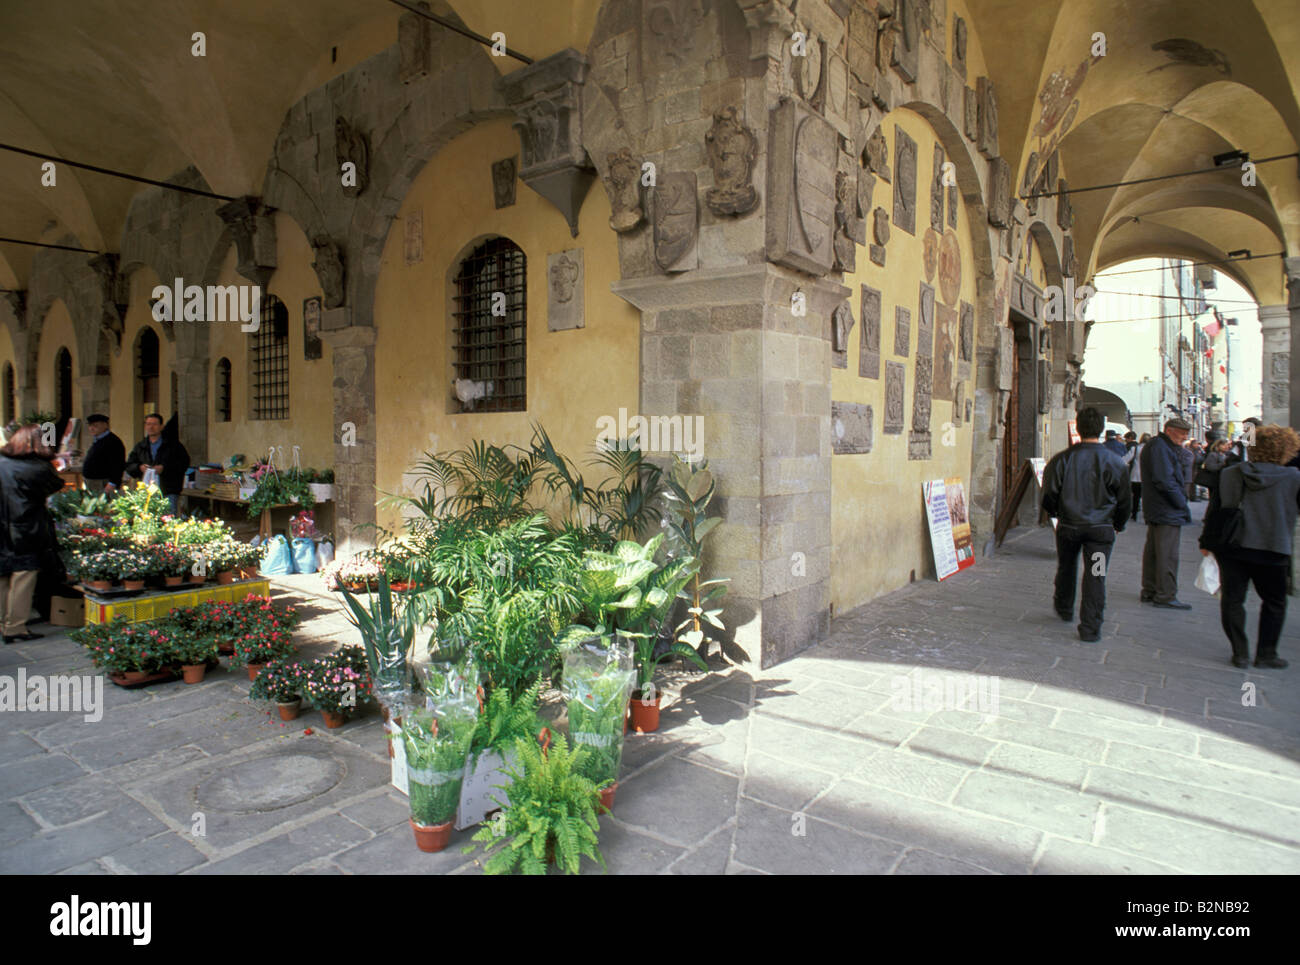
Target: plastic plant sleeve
x=436 y=748
x=598 y=677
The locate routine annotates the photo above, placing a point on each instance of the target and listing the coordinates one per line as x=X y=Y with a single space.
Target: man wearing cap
x=1164 y=504
x=106 y=460
x=1113 y=444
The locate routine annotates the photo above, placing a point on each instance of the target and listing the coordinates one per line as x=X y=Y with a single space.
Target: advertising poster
x=936 y=512
x=959 y=520
x=1073 y=430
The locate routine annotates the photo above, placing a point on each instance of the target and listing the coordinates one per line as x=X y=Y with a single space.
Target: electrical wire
x=1158 y=177
x=457 y=28
x=97 y=169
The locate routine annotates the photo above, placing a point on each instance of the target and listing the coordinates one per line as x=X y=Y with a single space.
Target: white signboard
x=936 y=511
x=399 y=759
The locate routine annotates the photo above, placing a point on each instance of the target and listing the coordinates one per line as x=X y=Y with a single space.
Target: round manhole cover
x=269 y=783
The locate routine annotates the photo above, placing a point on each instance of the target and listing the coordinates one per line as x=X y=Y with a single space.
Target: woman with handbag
x=1250 y=535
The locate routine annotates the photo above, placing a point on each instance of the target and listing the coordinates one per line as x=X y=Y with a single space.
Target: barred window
x=63 y=384
x=268 y=362
x=146 y=368
x=221 y=393
x=491 y=347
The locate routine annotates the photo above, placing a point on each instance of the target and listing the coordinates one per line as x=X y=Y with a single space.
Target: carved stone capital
x=547 y=100
x=329 y=270
x=113 y=295
x=253 y=228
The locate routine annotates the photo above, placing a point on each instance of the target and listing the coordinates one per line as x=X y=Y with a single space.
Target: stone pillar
x=354 y=436
x=1292 y=267
x=1275 y=325
x=723 y=344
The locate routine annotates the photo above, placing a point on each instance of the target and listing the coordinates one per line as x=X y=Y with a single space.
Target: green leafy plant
x=189 y=647
x=550 y=812
x=505 y=719
x=120 y=646
x=597 y=683
x=690 y=489
x=68 y=503
x=280 y=681
x=139 y=502
x=435 y=762
x=386 y=639
x=337 y=682
x=280 y=489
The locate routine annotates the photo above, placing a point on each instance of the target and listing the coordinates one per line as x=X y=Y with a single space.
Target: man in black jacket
x=164 y=455
x=106 y=459
x=1086 y=488
x=1164 y=504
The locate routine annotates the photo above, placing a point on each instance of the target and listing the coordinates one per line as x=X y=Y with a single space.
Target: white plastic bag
x=150 y=477
x=324 y=553
x=1207 y=577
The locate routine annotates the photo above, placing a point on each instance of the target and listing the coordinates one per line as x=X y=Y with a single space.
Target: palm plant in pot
x=597 y=682
x=549 y=816
x=629 y=592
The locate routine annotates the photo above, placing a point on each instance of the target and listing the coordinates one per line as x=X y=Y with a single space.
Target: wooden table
x=265 y=527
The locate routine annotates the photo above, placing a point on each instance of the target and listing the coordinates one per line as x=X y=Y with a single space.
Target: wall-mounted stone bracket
x=252 y=226
x=114 y=294
x=547 y=100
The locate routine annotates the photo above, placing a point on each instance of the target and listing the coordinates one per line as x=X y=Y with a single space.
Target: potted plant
x=321 y=484
x=191 y=650
x=597 y=683
x=280 y=681
x=690 y=489
x=335 y=686
x=173 y=563
x=130 y=653
x=221 y=556
x=386 y=640
x=259 y=638
x=279 y=489
x=436 y=743
x=96 y=568
x=135 y=566
x=549 y=816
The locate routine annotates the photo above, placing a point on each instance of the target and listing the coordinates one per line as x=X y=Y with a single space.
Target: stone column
x=723 y=344
x=354 y=436
x=1275 y=325
x=1292 y=267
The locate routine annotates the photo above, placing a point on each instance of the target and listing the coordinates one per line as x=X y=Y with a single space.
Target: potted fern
x=597 y=683
x=549 y=816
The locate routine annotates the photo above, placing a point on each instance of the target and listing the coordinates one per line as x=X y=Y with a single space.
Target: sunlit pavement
x=1140 y=754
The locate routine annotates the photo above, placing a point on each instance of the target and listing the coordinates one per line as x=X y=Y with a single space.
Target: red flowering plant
x=121 y=646
x=280 y=680
x=338 y=682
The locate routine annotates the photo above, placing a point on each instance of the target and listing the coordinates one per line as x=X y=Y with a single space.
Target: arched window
x=146 y=369
x=9 y=413
x=491 y=345
x=221 y=393
x=63 y=384
x=268 y=362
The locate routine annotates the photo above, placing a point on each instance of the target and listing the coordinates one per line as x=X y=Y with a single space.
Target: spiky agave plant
x=387 y=640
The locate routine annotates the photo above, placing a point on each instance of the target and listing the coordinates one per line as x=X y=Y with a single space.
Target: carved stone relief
x=925 y=323
x=846 y=222
x=930 y=253
x=413 y=45
x=959 y=46
x=905 y=185
x=329 y=271
x=669 y=31
x=876 y=155
x=866 y=189
x=503 y=182
x=902 y=331
x=880 y=226
x=676 y=221
x=918 y=440
x=566 y=297
x=877 y=254
x=895 y=394
x=936 y=190
x=952 y=205
x=1000 y=200
x=971 y=126
x=987 y=142
x=351 y=145
x=413 y=242
x=965 y=339
x=841 y=326
x=869 y=349
x=905 y=55
x=732 y=149
x=623 y=184
x=1006 y=357
x=1064 y=210
x=1069 y=264
x=862 y=48
x=958 y=403
x=945 y=351
x=801 y=166
x=1027 y=183
x=949 y=268
x=850 y=428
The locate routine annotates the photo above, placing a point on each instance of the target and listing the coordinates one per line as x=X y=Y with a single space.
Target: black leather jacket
x=1087 y=485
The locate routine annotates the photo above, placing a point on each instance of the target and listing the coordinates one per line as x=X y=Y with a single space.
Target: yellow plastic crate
x=157 y=605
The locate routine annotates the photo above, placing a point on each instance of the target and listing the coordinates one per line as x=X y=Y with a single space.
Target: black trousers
x=1137 y=498
x=1095 y=543
x=1270 y=583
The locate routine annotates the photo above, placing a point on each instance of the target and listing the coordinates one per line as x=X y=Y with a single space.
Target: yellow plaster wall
x=574 y=377
x=56 y=333
x=311 y=384
x=9 y=357
x=127 y=420
x=878 y=519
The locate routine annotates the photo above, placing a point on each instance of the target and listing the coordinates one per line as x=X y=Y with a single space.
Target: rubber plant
x=689 y=490
x=550 y=813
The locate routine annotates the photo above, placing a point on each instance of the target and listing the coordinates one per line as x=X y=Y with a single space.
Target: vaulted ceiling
x=113 y=82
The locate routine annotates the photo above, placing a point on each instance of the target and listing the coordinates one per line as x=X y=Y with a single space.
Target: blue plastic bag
x=278 y=561
x=304 y=554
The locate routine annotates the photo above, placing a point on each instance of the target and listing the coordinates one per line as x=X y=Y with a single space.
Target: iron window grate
x=492 y=348
x=269 y=362
x=222 y=394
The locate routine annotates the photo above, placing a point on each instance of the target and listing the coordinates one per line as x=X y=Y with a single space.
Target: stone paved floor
x=1135 y=755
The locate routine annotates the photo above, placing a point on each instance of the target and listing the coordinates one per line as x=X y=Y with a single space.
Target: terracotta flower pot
x=645 y=714
x=606 y=805
x=100 y=584
x=133 y=676
x=173 y=580
x=289 y=709
x=432 y=837
x=225 y=647
x=193 y=672
x=226 y=576
x=333 y=718
x=133 y=584
x=254 y=669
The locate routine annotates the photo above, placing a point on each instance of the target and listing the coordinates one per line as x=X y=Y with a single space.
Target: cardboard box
x=67 y=611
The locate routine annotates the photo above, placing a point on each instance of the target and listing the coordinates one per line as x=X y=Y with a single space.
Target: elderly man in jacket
x=1164 y=504
x=1086 y=488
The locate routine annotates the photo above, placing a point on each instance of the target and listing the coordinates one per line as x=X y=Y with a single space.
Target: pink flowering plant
x=338 y=682
x=120 y=646
x=280 y=681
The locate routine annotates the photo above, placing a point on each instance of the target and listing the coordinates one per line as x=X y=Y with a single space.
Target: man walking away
x=1164 y=503
x=1266 y=492
x=106 y=459
x=1113 y=443
x=1086 y=488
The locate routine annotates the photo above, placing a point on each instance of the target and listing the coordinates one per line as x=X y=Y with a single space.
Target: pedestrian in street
x=1086 y=488
x=164 y=454
x=1240 y=451
x=1216 y=458
x=27 y=543
x=1164 y=503
x=1135 y=472
x=1113 y=444
x=105 y=461
x=1265 y=492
